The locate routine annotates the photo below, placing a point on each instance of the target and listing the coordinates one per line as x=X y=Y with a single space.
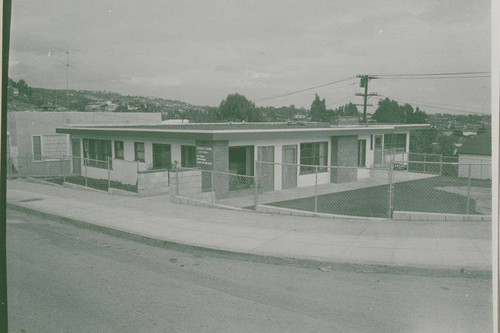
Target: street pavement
x=422 y=244
x=67 y=279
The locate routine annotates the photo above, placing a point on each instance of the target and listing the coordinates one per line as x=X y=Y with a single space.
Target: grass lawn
x=416 y=195
x=99 y=184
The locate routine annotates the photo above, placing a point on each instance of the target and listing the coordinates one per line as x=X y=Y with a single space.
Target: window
x=97 y=152
x=188 y=156
x=37 y=148
x=361 y=153
x=49 y=147
x=119 y=155
x=313 y=154
x=139 y=151
x=395 y=141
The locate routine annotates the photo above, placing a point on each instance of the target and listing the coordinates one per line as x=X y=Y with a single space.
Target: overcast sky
x=201 y=51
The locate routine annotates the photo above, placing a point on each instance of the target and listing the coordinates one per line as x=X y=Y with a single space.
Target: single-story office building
x=234 y=148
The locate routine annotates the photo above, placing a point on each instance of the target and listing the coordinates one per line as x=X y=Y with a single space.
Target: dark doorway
x=161 y=156
x=241 y=162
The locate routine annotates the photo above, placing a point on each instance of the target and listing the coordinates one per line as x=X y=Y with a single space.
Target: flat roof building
x=294 y=151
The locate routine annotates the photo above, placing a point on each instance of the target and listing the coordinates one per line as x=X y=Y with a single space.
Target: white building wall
x=302 y=180
x=365 y=173
x=129 y=152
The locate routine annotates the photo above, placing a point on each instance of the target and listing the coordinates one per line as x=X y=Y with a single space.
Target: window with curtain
x=312 y=154
x=97 y=152
x=139 y=151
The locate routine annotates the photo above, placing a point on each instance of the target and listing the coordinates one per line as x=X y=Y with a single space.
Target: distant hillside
x=22 y=97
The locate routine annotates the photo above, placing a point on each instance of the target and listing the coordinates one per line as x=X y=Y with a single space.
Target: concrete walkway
x=417 y=244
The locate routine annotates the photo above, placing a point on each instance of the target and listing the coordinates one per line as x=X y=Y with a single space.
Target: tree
x=238 y=108
x=348 y=110
x=388 y=111
x=318 y=110
x=418 y=117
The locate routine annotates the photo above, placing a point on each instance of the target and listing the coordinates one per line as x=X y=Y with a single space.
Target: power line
x=440 y=107
x=436 y=103
x=434 y=77
x=306 y=89
x=433 y=74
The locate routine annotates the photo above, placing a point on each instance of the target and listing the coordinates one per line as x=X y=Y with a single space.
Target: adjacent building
x=475 y=154
x=34 y=147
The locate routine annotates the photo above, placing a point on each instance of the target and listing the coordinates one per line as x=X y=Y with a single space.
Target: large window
x=361 y=153
x=188 y=156
x=37 y=148
x=312 y=154
x=395 y=141
x=97 y=152
x=119 y=154
x=139 y=152
x=49 y=147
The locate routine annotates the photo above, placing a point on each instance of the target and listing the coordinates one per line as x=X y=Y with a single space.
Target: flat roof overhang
x=240 y=134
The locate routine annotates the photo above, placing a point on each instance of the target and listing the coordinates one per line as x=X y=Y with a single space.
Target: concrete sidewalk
x=426 y=244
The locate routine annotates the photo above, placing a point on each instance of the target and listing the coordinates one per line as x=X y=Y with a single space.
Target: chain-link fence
x=93 y=173
x=213 y=186
x=419 y=183
x=433 y=187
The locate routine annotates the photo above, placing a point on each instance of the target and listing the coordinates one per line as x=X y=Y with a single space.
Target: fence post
x=64 y=173
x=316 y=190
x=212 y=194
x=441 y=165
x=256 y=185
x=391 y=191
x=28 y=165
x=176 y=178
x=109 y=172
x=85 y=162
x=425 y=162
x=468 y=192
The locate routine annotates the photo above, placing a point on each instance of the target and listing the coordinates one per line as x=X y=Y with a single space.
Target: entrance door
x=265 y=171
x=377 y=147
x=77 y=154
x=161 y=156
x=289 y=172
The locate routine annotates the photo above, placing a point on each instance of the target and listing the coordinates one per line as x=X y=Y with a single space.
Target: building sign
x=204 y=156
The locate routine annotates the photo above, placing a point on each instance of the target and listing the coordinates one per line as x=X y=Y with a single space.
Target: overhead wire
x=306 y=89
x=433 y=74
x=437 y=107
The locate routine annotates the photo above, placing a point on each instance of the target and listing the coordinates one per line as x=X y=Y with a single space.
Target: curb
x=482 y=273
x=268 y=209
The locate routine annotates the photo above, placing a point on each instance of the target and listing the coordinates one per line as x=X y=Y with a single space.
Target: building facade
x=293 y=153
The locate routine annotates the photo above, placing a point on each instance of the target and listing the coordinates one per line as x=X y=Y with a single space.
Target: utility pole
x=5 y=19
x=67 y=82
x=364 y=79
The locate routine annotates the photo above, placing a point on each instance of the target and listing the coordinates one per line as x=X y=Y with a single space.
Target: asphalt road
x=65 y=279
